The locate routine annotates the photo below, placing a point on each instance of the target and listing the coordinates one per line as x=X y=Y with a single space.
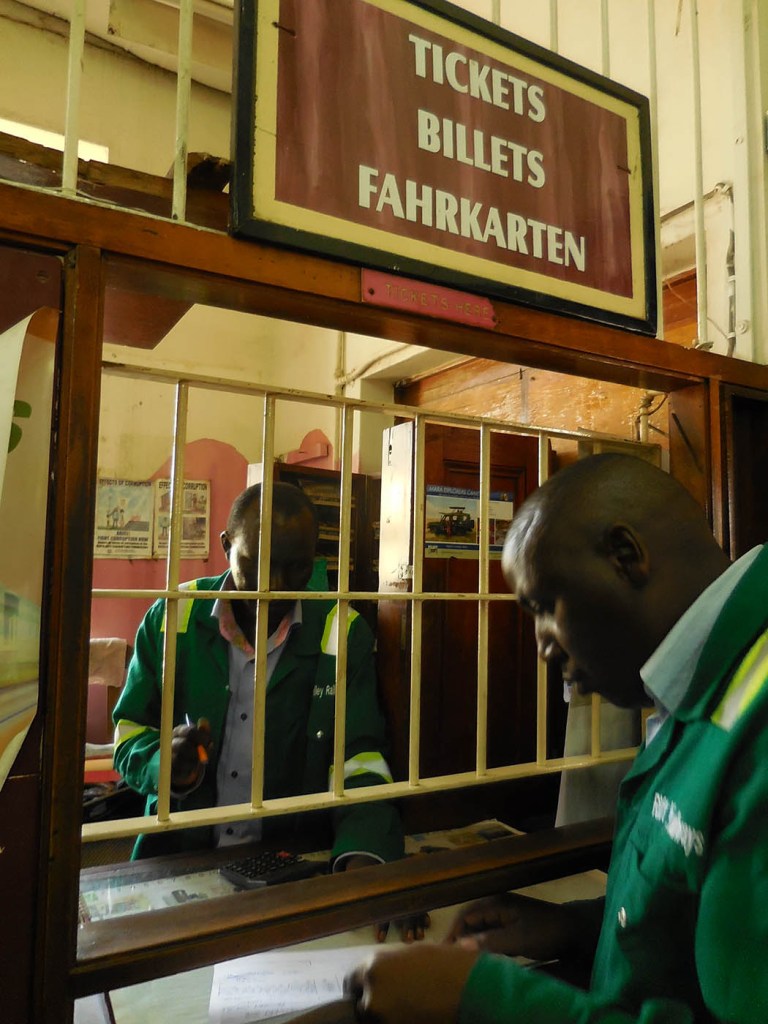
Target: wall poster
x=123 y=519
x=133 y=519
x=452 y=527
x=195 y=522
x=420 y=139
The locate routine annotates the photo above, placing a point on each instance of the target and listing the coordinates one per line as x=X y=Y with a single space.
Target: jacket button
x=320 y=734
x=621 y=917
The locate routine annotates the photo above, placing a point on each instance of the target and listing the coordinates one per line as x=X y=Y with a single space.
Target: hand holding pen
x=190 y=749
x=202 y=749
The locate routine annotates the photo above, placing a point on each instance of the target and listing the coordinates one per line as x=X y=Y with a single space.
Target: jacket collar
x=743 y=616
x=669 y=671
x=303 y=642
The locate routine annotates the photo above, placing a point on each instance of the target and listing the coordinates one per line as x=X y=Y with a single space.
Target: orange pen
x=202 y=753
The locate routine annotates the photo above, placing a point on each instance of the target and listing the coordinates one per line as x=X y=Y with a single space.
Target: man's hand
x=411 y=928
x=190 y=747
x=420 y=985
x=516 y=926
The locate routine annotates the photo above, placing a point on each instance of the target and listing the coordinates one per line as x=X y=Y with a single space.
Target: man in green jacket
x=211 y=755
x=633 y=599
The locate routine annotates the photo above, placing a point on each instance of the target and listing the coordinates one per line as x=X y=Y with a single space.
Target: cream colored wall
x=137 y=418
x=579 y=40
x=726 y=119
x=751 y=277
x=126 y=105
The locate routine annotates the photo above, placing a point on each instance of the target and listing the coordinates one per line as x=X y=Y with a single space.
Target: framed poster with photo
x=123 y=519
x=452 y=527
x=195 y=520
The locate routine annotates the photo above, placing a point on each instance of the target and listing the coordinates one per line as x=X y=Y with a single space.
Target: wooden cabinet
x=323 y=487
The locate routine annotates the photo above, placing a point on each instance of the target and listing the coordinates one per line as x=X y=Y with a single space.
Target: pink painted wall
x=205 y=459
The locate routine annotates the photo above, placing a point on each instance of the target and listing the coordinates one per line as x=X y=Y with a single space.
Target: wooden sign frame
x=416 y=138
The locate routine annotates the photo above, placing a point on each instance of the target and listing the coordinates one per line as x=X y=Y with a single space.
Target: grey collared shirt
x=233 y=772
x=668 y=672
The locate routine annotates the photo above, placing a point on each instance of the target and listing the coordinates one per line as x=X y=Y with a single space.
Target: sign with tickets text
x=419 y=139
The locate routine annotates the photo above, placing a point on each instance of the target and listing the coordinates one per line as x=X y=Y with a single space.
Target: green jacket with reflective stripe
x=685 y=932
x=299 y=719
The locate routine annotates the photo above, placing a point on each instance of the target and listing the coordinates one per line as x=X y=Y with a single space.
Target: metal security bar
x=172 y=584
x=419 y=503
x=260 y=662
x=346 y=409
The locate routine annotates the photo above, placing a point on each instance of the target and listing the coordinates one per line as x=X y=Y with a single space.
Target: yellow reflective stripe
x=330 y=642
x=369 y=762
x=183 y=609
x=125 y=730
x=749 y=679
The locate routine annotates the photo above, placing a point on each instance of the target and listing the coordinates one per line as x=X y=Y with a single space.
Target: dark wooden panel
x=746 y=422
x=19 y=839
x=28 y=281
x=66 y=653
x=141 y=321
x=28 y=758
x=689 y=455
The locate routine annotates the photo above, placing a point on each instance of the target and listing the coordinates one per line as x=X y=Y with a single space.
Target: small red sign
x=428 y=299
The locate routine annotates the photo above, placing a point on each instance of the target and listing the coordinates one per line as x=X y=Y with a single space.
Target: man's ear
x=226 y=543
x=628 y=554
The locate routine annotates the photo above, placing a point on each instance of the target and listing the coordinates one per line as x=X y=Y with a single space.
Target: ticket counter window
x=197 y=402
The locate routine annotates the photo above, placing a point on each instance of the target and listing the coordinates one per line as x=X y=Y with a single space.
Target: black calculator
x=269 y=869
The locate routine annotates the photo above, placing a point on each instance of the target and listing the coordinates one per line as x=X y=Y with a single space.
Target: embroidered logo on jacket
x=667 y=813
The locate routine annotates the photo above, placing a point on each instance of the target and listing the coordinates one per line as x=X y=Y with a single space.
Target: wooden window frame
x=256 y=278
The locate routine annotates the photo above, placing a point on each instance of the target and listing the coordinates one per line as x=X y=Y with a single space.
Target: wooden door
x=450 y=629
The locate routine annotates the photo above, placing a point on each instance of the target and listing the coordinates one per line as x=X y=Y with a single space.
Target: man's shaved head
x=607 y=555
